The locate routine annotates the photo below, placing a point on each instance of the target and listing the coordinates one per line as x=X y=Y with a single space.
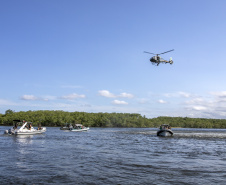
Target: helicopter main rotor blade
x=149 y=53
x=166 y=51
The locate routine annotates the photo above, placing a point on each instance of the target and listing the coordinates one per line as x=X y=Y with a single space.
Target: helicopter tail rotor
x=171 y=60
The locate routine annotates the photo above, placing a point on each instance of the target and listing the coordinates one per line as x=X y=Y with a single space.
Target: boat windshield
x=164 y=126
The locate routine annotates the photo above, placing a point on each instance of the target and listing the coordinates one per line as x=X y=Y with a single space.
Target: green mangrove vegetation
x=59 y=118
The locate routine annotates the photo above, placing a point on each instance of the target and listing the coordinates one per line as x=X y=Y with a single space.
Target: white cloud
x=73 y=96
x=199 y=108
x=170 y=95
x=29 y=97
x=162 y=101
x=185 y=95
x=32 y=97
x=108 y=94
x=126 y=95
x=118 y=102
x=220 y=97
x=47 y=98
x=196 y=101
x=208 y=106
x=221 y=94
x=179 y=94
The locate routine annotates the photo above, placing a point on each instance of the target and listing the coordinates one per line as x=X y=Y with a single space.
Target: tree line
x=60 y=118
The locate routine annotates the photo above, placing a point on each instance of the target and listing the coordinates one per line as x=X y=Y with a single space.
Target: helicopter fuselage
x=157 y=60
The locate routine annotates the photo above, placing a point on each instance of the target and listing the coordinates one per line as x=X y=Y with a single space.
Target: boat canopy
x=16 y=120
x=164 y=125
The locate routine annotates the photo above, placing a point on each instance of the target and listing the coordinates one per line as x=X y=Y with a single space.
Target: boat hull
x=29 y=133
x=79 y=130
x=165 y=133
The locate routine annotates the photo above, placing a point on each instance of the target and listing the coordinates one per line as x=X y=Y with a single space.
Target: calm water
x=114 y=156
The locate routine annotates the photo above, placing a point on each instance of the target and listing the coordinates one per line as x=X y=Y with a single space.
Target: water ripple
x=114 y=156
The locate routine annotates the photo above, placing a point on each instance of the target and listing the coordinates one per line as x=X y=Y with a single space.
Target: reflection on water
x=201 y=133
x=114 y=156
x=23 y=139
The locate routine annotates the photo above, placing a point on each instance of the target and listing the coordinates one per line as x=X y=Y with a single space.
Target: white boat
x=79 y=128
x=25 y=129
x=165 y=130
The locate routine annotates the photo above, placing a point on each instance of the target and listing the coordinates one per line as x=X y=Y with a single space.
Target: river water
x=114 y=156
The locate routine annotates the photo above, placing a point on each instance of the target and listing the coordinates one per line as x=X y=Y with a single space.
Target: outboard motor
x=11 y=131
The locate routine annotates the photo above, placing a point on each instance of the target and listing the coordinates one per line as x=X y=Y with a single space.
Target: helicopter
x=156 y=60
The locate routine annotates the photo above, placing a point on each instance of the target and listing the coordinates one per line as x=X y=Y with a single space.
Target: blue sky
x=88 y=55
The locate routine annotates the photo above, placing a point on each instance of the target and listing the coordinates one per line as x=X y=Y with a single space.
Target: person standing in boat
x=29 y=126
x=15 y=127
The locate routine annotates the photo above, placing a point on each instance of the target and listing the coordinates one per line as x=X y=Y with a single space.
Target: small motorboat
x=79 y=128
x=164 y=130
x=25 y=129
